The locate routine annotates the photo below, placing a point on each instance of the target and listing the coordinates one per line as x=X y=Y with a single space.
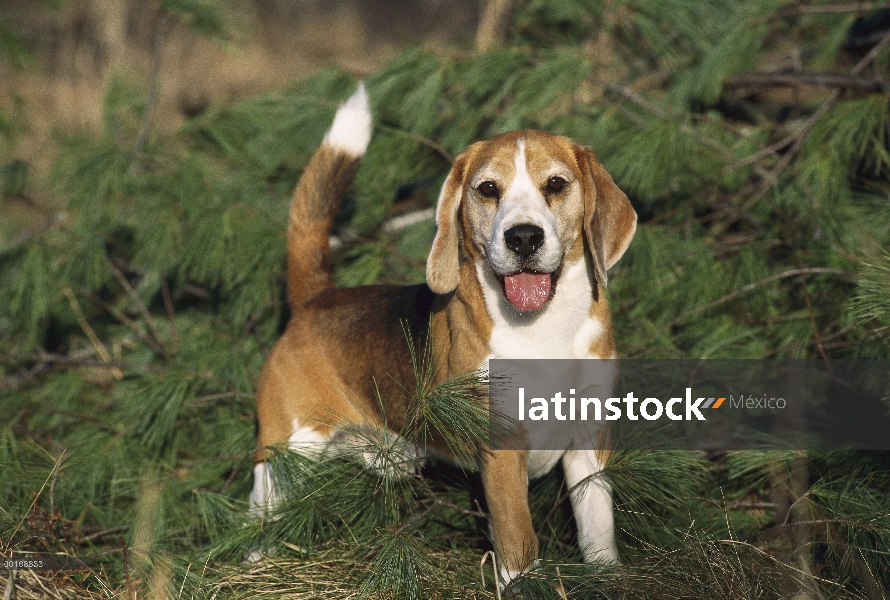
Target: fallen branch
x=868 y=84
x=797 y=138
x=391 y=226
x=793 y=11
x=105 y=532
x=125 y=283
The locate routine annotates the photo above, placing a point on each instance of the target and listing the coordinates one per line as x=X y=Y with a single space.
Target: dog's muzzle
x=527 y=289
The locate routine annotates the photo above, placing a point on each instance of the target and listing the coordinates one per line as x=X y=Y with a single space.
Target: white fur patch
x=591 y=505
x=508 y=575
x=383 y=452
x=547 y=333
x=351 y=130
x=306 y=440
x=590 y=331
x=541 y=462
x=262 y=495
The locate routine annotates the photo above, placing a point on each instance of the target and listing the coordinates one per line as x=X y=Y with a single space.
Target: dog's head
x=525 y=202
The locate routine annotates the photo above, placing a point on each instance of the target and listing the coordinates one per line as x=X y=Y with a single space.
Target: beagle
x=527 y=223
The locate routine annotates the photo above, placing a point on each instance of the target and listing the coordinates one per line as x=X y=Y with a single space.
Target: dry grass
x=329 y=575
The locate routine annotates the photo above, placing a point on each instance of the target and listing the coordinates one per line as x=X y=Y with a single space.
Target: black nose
x=524 y=239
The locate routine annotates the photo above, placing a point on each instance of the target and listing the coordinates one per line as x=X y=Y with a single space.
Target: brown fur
x=312 y=211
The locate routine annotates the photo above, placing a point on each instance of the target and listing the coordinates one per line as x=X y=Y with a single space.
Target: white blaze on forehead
x=523 y=203
x=523 y=184
x=522 y=188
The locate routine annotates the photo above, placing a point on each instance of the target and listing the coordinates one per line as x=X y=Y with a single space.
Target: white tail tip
x=351 y=130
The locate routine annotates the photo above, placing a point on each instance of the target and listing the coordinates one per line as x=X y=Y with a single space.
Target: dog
x=527 y=225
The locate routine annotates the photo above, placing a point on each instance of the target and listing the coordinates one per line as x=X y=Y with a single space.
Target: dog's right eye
x=488 y=189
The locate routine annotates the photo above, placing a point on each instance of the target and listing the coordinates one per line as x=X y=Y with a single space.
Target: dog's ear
x=609 y=219
x=443 y=264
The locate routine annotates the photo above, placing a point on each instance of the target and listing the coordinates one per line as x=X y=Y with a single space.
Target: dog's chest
x=563 y=329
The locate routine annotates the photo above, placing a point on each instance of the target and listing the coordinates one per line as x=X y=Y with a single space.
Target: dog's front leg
x=505 y=479
x=591 y=504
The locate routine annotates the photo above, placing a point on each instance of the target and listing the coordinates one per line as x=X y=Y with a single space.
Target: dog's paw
x=513 y=591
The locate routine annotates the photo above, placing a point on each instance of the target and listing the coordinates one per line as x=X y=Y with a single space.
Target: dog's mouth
x=529 y=291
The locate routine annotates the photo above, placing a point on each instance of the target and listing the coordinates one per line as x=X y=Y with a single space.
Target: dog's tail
x=318 y=195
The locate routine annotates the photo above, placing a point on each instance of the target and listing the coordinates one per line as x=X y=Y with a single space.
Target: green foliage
x=399 y=568
x=874 y=290
x=133 y=327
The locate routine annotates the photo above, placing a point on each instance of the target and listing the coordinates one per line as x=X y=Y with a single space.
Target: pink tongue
x=527 y=291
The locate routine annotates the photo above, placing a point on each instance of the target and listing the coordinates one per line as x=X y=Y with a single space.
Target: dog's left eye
x=488 y=189
x=556 y=184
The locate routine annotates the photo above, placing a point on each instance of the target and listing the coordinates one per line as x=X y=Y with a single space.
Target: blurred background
x=60 y=56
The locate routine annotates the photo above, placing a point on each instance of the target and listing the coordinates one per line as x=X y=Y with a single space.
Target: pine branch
x=120 y=316
x=171 y=315
x=757 y=284
x=85 y=325
x=816 y=337
x=798 y=137
x=391 y=226
x=438 y=149
x=78 y=358
x=38 y=228
x=436 y=503
x=634 y=97
x=139 y=305
x=11 y=383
